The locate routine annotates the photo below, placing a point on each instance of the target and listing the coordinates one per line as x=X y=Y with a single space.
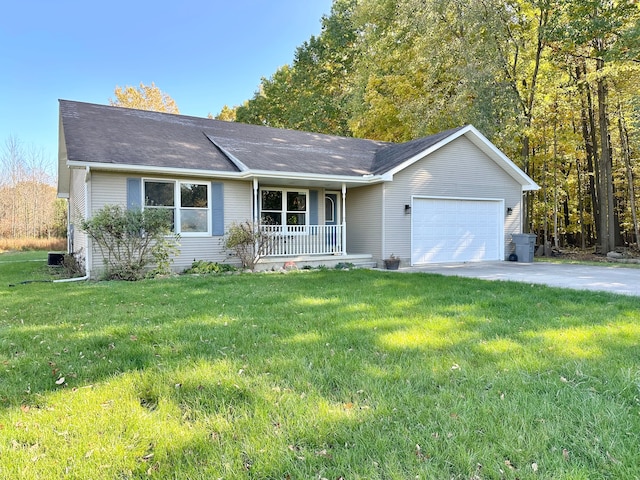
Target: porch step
x=330 y=261
x=369 y=264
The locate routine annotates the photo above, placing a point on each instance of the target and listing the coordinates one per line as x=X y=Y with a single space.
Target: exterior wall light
x=407 y=209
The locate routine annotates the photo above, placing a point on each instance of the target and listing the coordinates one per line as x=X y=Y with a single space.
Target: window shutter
x=313 y=207
x=134 y=193
x=217 y=209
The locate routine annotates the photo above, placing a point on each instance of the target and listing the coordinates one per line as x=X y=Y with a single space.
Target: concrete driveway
x=604 y=278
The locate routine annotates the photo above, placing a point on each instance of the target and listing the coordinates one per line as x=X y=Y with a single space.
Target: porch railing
x=287 y=240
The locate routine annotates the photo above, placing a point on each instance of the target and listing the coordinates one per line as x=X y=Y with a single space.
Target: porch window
x=188 y=202
x=284 y=207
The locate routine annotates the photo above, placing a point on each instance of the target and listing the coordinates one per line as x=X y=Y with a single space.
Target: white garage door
x=456 y=230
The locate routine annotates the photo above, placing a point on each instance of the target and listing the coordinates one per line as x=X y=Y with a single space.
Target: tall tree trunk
x=526 y=102
x=555 y=182
x=583 y=243
x=545 y=219
x=526 y=196
x=607 y=216
x=590 y=144
x=626 y=155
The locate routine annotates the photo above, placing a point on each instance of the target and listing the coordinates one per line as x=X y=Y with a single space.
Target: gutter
x=366 y=179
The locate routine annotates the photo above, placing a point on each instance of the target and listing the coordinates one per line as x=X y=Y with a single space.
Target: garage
x=457 y=230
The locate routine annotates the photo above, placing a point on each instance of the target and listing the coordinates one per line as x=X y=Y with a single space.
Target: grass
x=320 y=374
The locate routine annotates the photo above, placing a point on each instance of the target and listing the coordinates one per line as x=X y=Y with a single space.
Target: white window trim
x=178 y=206
x=284 y=204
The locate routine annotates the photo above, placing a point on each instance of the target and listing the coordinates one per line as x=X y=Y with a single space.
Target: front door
x=331 y=209
x=331 y=219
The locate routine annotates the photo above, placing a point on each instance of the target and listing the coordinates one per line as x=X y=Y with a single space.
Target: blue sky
x=204 y=54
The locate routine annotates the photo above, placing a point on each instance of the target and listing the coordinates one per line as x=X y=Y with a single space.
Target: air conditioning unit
x=55 y=259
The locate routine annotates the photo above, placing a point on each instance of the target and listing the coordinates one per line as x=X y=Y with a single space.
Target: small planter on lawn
x=391 y=263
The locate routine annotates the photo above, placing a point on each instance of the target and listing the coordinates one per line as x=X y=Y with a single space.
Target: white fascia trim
x=182 y=172
x=245 y=175
x=485 y=145
x=364 y=180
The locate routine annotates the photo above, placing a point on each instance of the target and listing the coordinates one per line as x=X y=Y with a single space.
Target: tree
x=311 y=93
x=227 y=114
x=144 y=97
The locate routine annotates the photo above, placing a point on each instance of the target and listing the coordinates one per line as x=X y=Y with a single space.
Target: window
x=194 y=211
x=188 y=202
x=284 y=207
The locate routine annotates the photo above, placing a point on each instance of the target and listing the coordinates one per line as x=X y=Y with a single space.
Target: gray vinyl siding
x=458 y=170
x=364 y=225
x=77 y=208
x=111 y=189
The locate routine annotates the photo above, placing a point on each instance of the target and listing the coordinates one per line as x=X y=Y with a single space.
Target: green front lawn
x=315 y=374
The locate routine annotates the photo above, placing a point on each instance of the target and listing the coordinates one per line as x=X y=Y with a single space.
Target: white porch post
x=344 y=219
x=256 y=226
x=255 y=201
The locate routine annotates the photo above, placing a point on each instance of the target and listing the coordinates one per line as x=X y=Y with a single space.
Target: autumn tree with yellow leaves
x=144 y=97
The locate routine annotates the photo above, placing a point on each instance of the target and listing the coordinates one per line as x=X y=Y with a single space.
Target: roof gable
x=419 y=149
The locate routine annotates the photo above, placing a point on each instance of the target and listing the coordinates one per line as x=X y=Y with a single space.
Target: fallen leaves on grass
x=323 y=453
x=421 y=456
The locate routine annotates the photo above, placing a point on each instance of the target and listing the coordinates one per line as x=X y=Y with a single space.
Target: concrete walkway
x=614 y=279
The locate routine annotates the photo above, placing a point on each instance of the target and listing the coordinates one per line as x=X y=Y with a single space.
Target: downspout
x=69 y=232
x=344 y=219
x=74 y=279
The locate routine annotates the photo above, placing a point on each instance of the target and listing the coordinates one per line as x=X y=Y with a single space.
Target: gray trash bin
x=525 y=246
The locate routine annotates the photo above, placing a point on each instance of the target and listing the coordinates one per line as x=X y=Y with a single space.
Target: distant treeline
x=28 y=204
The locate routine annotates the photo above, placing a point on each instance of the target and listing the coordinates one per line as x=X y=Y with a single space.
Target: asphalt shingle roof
x=114 y=135
x=395 y=154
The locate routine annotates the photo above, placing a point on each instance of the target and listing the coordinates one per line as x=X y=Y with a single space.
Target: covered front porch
x=301 y=221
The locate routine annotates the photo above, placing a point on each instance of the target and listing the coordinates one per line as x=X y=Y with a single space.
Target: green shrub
x=248 y=242
x=344 y=266
x=203 y=267
x=130 y=241
x=73 y=265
